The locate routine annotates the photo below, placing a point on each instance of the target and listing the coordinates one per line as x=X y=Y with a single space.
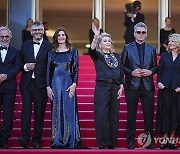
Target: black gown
x=62 y=71
x=168 y=106
x=164 y=34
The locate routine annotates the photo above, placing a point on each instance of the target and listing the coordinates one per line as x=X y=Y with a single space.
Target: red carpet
x=85 y=92
x=92 y=151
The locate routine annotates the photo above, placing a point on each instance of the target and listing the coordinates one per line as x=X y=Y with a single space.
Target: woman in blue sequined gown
x=62 y=76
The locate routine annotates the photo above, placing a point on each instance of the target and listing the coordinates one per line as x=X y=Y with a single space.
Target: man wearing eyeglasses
x=139 y=64
x=33 y=85
x=9 y=68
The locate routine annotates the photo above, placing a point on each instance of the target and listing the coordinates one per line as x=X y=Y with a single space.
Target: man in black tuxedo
x=131 y=18
x=33 y=84
x=9 y=67
x=139 y=64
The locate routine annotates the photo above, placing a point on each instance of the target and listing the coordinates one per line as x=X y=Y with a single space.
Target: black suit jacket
x=129 y=33
x=131 y=61
x=169 y=71
x=10 y=67
x=27 y=56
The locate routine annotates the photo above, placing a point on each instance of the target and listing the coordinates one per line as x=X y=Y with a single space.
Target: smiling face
x=37 y=32
x=5 y=37
x=106 y=44
x=140 y=34
x=61 y=37
x=172 y=45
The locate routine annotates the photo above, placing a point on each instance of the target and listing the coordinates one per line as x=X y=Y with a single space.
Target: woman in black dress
x=109 y=85
x=164 y=34
x=26 y=34
x=168 y=109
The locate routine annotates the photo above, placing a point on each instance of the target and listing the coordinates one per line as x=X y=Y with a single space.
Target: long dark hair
x=55 y=43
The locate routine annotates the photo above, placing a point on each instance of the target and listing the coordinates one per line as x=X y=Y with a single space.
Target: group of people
x=138 y=63
x=48 y=70
x=51 y=70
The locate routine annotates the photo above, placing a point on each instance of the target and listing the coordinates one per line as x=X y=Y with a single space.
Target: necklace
x=110 y=59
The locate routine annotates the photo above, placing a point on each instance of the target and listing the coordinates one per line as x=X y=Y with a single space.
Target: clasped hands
x=141 y=72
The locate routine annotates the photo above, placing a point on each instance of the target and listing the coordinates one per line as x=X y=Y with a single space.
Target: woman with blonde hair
x=168 y=110
x=109 y=85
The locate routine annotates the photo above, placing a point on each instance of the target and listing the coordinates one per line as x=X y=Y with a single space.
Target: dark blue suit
x=136 y=88
x=34 y=90
x=10 y=67
x=169 y=71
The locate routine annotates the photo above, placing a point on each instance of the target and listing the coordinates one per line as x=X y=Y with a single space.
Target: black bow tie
x=1 y=48
x=36 y=43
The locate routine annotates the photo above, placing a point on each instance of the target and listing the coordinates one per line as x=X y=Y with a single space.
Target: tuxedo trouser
x=39 y=96
x=7 y=101
x=106 y=113
x=147 y=101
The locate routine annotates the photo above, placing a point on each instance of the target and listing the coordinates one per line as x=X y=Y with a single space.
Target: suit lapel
x=31 y=48
x=135 y=51
x=42 y=47
x=8 y=55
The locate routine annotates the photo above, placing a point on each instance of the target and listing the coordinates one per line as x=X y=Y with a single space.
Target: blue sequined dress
x=62 y=71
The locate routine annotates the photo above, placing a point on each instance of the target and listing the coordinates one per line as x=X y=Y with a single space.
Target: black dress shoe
x=82 y=146
x=164 y=146
x=37 y=145
x=172 y=146
x=130 y=145
x=22 y=142
x=4 y=146
x=102 y=147
x=110 y=147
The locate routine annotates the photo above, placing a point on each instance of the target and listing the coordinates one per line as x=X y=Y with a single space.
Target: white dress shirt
x=36 y=50
x=3 y=54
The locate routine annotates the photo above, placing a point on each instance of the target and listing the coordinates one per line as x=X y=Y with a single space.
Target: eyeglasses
x=34 y=30
x=6 y=36
x=141 y=32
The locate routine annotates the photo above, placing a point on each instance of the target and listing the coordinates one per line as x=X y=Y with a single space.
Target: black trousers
x=7 y=101
x=39 y=97
x=106 y=113
x=147 y=101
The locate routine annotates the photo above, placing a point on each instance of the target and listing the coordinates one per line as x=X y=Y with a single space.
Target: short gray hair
x=98 y=48
x=6 y=28
x=176 y=38
x=37 y=23
x=140 y=24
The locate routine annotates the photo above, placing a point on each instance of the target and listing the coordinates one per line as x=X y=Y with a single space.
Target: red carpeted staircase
x=85 y=93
